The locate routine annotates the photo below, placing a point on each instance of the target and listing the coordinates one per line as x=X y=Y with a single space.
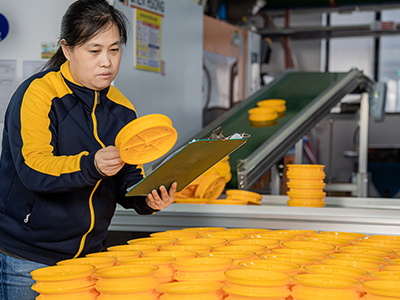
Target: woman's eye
x=94 y=51
x=115 y=50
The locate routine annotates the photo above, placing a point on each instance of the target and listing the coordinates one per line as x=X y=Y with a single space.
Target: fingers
x=108 y=160
x=160 y=200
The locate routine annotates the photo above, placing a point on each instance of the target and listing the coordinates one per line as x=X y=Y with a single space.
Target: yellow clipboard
x=186 y=164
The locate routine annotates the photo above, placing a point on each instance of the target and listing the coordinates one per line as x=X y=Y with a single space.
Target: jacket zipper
x=91 y=208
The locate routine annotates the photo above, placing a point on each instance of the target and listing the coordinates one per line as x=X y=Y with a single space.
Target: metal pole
x=362 y=176
x=298 y=155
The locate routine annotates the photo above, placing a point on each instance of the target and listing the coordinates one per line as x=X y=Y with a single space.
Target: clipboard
x=186 y=164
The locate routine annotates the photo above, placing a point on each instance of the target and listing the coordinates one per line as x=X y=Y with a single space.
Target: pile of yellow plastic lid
x=207 y=187
x=262 y=114
x=267 y=112
x=256 y=284
x=253 y=263
x=204 y=290
x=250 y=197
x=146 y=139
x=279 y=105
x=306 y=185
x=127 y=282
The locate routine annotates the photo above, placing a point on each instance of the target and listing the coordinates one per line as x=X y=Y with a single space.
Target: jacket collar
x=84 y=94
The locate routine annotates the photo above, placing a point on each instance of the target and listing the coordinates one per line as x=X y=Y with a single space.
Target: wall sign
x=4 y=27
x=153 y=6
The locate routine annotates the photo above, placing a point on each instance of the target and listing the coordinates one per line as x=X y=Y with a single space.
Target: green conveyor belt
x=298 y=89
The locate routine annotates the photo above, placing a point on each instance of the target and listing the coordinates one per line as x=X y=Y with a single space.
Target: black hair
x=82 y=21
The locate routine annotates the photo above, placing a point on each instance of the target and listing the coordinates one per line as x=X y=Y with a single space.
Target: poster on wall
x=147 y=40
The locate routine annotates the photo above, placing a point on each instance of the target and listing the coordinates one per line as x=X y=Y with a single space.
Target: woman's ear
x=66 y=49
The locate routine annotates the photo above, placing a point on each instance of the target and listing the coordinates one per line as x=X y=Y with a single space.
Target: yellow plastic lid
x=268 y=243
x=249 y=230
x=312 y=168
x=271 y=235
x=119 y=254
x=157 y=261
x=295 y=232
x=103 y=254
x=395 y=261
x=201 y=264
x=360 y=257
x=62 y=272
x=271 y=265
x=205 y=229
x=326 y=281
x=256 y=277
x=204 y=241
x=191 y=201
x=196 y=248
x=333 y=236
x=306 y=203
x=306 y=195
x=305 y=185
x=127 y=271
x=390 y=288
x=176 y=254
x=312 y=253
x=146 y=139
x=235 y=255
x=296 y=259
x=134 y=247
x=385 y=237
x=392 y=268
x=179 y=234
x=154 y=241
x=386 y=275
x=228 y=202
x=247 y=198
x=344 y=271
x=370 y=267
x=211 y=187
x=246 y=248
x=224 y=235
x=366 y=250
x=335 y=242
x=98 y=262
x=244 y=193
x=278 y=104
x=259 y=114
x=306 y=245
x=391 y=246
x=190 y=288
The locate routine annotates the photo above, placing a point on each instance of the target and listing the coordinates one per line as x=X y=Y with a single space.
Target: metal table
x=366 y=215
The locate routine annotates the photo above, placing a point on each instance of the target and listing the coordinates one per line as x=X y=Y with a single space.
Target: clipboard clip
x=216 y=134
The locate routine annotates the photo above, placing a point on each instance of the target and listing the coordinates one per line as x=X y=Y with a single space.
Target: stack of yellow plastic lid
x=248 y=230
x=267 y=243
x=263 y=114
x=350 y=272
x=306 y=185
x=165 y=272
x=127 y=282
x=178 y=234
x=382 y=290
x=306 y=245
x=375 y=251
x=367 y=266
x=207 y=187
x=256 y=284
x=243 y=248
x=294 y=232
x=312 y=253
x=161 y=241
x=251 y=197
x=207 y=241
x=296 y=259
x=116 y=254
x=229 y=236
x=196 y=248
x=279 y=105
x=271 y=235
x=360 y=257
x=133 y=248
x=385 y=275
x=97 y=262
x=146 y=139
x=65 y=282
x=205 y=290
x=177 y=254
x=237 y=256
x=202 y=269
x=326 y=287
x=204 y=229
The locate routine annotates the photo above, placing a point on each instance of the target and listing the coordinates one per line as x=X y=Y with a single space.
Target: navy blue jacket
x=54 y=204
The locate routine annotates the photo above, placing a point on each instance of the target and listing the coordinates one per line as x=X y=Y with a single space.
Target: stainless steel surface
x=367 y=215
x=298 y=156
x=362 y=176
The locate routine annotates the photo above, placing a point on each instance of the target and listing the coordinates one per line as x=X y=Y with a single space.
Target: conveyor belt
x=309 y=96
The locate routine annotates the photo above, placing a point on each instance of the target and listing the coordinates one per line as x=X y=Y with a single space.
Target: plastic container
x=382 y=289
x=267 y=243
x=237 y=256
x=326 y=287
x=191 y=291
x=134 y=247
x=213 y=242
x=195 y=248
x=88 y=293
x=153 y=241
x=243 y=248
x=369 y=267
x=127 y=279
x=146 y=139
x=202 y=269
x=63 y=278
x=165 y=272
x=306 y=245
x=277 y=104
x=312 y=253
x=343 y=271
x=178 y=234
x=256 y=284
x=385 y=275
x=175 y=254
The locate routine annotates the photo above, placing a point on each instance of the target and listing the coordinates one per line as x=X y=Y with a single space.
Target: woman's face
x=96 y=63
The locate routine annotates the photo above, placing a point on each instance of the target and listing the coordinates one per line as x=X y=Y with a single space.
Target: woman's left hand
x=164 y=199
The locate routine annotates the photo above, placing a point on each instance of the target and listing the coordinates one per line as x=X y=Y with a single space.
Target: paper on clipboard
x=186 y=164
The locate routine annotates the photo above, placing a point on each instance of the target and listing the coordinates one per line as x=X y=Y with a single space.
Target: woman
x=60 y=175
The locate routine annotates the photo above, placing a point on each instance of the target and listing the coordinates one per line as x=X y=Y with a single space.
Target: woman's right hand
x=108 y=161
